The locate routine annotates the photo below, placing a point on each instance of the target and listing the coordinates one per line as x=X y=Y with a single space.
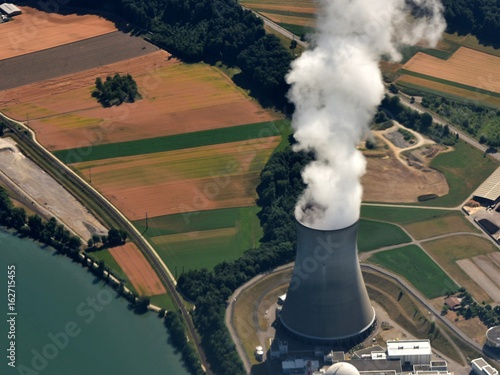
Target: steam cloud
x=336 y=87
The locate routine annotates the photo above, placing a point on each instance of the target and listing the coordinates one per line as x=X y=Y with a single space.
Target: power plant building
x=327 y=301
x=10 y=9
x=493 y=337
x=481 y=367
x=413 y=352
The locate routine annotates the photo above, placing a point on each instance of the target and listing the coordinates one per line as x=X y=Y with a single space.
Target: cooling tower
x=327 y=301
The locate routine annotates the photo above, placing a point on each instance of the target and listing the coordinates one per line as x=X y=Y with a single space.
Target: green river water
x=69 y=323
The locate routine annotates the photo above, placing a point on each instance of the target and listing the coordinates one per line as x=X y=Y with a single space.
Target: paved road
x=21 y=131
x=278 y=28
x=406 y=100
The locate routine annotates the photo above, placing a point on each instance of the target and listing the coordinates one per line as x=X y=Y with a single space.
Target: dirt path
x=45 y=194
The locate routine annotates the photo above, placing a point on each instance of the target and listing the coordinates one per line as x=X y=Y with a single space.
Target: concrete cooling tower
x=327 y=301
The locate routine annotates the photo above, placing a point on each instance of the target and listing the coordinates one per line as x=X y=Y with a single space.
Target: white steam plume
x=336 y=87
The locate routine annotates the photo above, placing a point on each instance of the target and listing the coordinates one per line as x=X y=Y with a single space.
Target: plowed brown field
x=466 y=66
x=138 y=270
x=177 y=98
x=187 y=180
x=35 y=30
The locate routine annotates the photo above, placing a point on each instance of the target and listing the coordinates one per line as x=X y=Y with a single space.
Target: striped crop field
x=177 y=98
x=255 y=133
x=298 y=16
x=187 y=180
x=449 y=91
x=202 y=239
x=466 y=67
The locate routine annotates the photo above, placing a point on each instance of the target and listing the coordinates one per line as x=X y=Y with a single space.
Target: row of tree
x=175 y=325
x=392 y=109
x=469 y=308
x=280 y=186
x=480 y=17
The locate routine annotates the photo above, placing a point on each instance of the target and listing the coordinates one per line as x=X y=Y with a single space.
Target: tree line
x=479 y=17
x=212 y=31
x=55 y=235
x=391 y=108
x=280 y=186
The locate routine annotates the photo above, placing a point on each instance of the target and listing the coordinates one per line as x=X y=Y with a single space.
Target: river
x=70 y=323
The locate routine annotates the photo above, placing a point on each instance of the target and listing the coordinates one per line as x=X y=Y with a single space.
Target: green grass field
x=418 y=268
x=465 y=169
x=174 y=142
x=374 y=235
x=115 y=268
x=447 y=251
x=204 y=238
x=399 y=215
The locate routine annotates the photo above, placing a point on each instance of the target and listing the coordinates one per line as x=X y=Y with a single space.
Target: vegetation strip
x=450 y=83
x=171 y=142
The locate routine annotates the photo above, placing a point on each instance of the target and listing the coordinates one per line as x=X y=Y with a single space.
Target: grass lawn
x=203 y=239
x=163 y=300
x=418 y=268
x=451 y=223
x=447 y=251
x=177 y=142
x=400 y=215
x=465 y=169
x=374 y=235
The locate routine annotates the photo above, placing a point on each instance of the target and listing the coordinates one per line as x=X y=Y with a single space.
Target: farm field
x=72 y=58
x=201 y=178
x=35 y=30
x=204 y=238
x=418 y=268
x=447 y=251
x=177 y=98
x=400 y=215
x=138 y=270
x=373 y=235
x=465 y=67
x=448 y=91
x=451 y=223
x=297 y=16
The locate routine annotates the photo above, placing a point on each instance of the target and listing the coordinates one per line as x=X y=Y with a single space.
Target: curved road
x=19 y=129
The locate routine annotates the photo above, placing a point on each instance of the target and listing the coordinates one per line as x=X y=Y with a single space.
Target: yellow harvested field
x=466 y=66
x=472 y=96
x=187 y=180
x=177 y=98
x=35 y=30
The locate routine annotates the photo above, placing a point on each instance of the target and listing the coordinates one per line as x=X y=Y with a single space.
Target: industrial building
x=10 y=9
x=481 y=367
x=489 y=191
x=493 y=337
x=410 y=352
x=327 y=301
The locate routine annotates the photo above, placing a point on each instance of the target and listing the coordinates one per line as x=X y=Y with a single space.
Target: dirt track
x=20 y=173
x=71 y=58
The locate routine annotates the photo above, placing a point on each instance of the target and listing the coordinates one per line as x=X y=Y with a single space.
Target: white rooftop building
x=414 y=352
x=10 y=9
x=481 y=367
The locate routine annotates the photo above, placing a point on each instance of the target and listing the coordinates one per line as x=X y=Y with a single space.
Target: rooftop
x=493 y=334
x=397 y=348
x=490 y=188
